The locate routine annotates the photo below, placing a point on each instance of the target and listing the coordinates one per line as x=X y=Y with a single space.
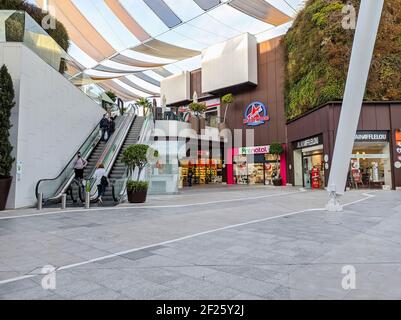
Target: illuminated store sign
x=309 y=142
x=254 y=150
x=256 y=114
x=372 y=136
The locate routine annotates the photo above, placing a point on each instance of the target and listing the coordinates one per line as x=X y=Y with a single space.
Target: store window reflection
x=370 y=166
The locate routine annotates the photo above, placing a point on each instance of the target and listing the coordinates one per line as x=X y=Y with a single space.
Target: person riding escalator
x=101 y=182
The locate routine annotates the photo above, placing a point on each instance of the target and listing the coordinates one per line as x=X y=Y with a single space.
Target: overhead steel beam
x=361 y=57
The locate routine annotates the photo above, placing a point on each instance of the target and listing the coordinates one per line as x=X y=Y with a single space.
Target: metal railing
x=52 y=189
x=119 y=187
x=111 y=151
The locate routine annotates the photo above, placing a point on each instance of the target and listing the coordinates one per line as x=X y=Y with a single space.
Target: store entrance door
x=313 y=169
x=307 y=170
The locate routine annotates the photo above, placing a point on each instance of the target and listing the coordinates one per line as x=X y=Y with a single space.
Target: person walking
x=104 y=127
x=79 y=167
x=101 y=182
x=190 y=177
x=112 y=127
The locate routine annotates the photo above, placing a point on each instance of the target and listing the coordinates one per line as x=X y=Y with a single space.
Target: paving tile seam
x=148 y=207
x=113 y=255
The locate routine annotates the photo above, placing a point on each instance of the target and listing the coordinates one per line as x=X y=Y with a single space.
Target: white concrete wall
x=230 y=63
x=51 y=119
x=176 y=88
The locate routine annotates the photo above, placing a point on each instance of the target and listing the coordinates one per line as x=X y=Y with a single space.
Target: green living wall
x=59 y=34
x=318 y=51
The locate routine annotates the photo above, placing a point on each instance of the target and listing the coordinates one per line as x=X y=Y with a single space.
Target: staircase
x=118 y=170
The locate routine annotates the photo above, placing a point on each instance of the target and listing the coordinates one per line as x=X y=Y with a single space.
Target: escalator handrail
x=141 y=139
x=109 y=144
x=93 y=145
x=124 y=128
x=119 y=149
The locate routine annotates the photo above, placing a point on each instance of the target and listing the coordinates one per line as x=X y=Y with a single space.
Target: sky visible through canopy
x=131 y=45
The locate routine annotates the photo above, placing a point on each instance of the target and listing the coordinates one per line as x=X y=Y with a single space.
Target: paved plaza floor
x=208 y=243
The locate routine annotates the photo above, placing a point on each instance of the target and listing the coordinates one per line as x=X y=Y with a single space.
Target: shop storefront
x=309 y=163
x=375 y=162
x=202 y=164
x=255 y=165
x=370 y=165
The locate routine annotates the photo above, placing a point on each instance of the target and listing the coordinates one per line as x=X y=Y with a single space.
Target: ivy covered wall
x=318 y=51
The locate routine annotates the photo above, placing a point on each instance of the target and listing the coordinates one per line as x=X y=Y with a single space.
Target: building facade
x=376 y=157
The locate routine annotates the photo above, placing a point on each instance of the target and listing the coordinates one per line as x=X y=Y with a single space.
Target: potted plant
x=277 y=150
x=137 y=191
x=6 y=160
x=137 y=156
x=228 y=99
x=197 y=122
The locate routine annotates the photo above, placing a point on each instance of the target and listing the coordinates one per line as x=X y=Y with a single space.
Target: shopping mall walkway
x=220 y=243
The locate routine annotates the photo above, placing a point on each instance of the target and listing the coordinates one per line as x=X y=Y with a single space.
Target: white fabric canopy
x=139 y=42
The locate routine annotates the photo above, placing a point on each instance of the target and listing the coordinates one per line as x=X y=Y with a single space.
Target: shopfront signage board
x=311 y=142
x=256 y=114
x=254 y=150
x=372 y=136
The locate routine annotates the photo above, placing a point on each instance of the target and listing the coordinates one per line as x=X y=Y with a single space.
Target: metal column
x=362 y=52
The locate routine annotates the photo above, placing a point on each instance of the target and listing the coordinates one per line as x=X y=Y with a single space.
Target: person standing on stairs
x=104 y=127
x=101 y=182
x=111 y=127
x=79 y=167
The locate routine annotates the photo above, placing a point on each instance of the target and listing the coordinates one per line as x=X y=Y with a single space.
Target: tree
x=6 y=104
x=277 y=150
x=111 y=95
x=138 y=156
x=145 y=104
x=227 y=100
x=197 y=108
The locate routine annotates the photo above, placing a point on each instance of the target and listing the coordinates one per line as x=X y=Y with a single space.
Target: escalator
x=91 y=150
x=75 y=191
x=118 y=170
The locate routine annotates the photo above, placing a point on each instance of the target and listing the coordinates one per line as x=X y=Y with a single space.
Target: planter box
x=202 y=124
x=278 y=182
x=137 y=197
x=195 y=124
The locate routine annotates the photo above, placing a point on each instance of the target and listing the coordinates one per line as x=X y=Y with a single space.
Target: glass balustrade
x=51 y=188
x=18 y=26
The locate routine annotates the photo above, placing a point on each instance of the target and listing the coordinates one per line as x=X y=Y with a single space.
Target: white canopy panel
x=133 y=44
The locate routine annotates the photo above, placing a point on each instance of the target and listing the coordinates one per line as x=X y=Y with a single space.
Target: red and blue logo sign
x=256 y=114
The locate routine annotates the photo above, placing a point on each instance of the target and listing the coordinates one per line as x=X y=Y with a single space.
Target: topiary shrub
x=137 y=186
x=6 y=104
x=197 y=108
x=138 y=156
x=318 y=51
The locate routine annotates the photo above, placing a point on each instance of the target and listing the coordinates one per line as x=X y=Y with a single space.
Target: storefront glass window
x=370 y=166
